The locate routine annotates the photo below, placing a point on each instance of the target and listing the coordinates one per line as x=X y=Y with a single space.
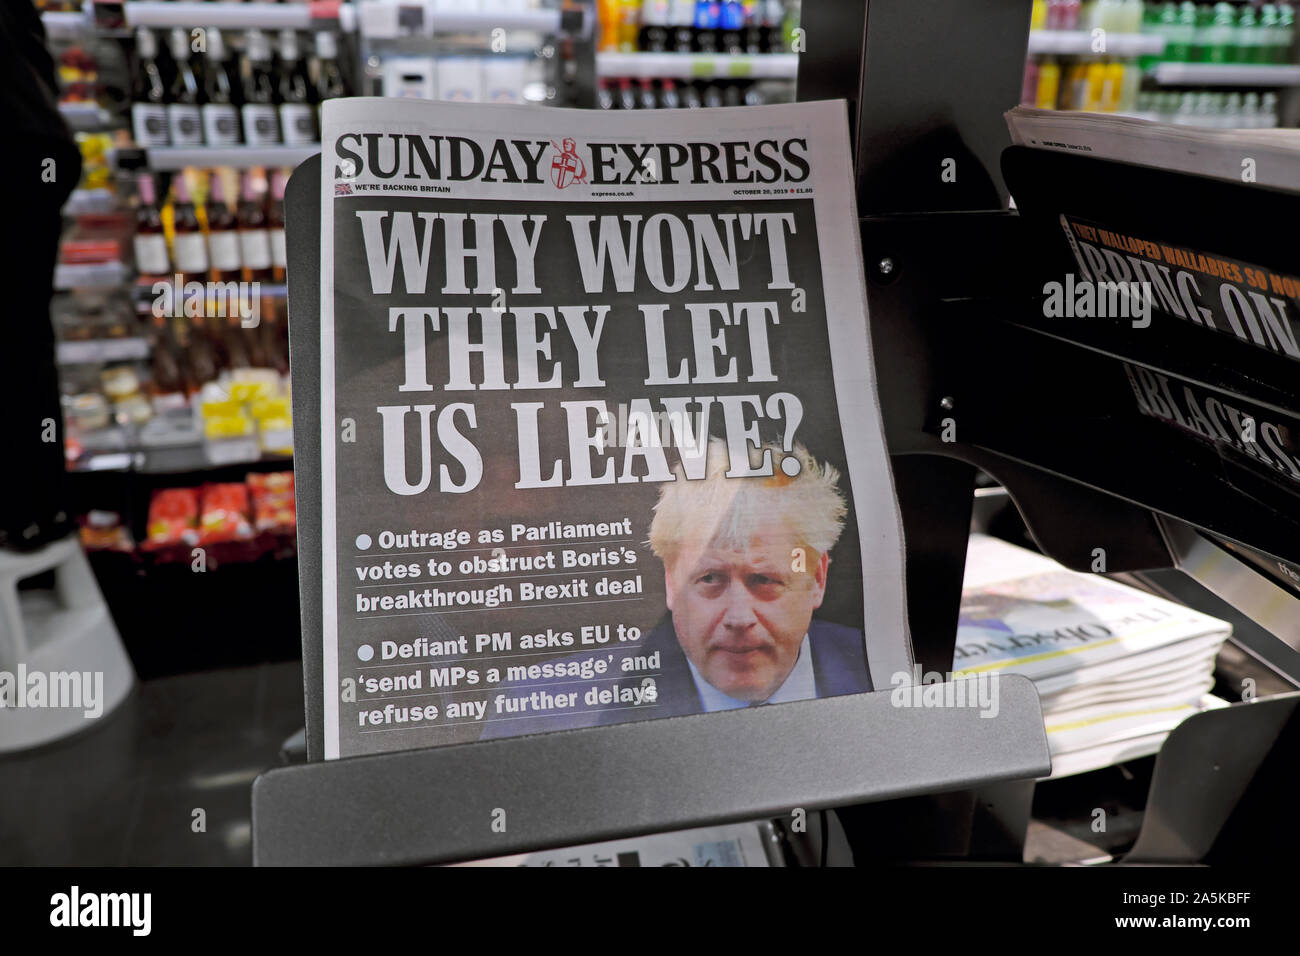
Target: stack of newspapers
x=1116 y=668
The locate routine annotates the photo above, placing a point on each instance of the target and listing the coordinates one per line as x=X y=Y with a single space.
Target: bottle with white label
x=297 y=114
x=220 y=112
x=261 y=118
x=149 y=95
x=275 y=220
x=184 y=121
x=189 y=249
x=150 y=242
x=254 y=238
x=223 y=233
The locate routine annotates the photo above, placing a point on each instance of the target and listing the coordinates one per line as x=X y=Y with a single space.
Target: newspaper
x=600 y=435
x=1268 y=157
x=1116 y=669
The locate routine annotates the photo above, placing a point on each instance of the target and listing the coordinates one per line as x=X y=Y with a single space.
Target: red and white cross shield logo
x=567 y=167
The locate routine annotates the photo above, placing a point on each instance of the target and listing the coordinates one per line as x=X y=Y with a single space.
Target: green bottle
x=1150 y=27
x=1178 y=46
x=1250 y=45
x=1220 y=36
x=1201 y=36
x=1285 y=33
x=1268 y=32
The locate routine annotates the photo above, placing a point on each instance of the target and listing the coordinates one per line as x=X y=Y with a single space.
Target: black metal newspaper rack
x=971 y=377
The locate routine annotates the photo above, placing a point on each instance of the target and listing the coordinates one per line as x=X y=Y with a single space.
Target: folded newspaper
x=1116 y=668
x=1274 y=153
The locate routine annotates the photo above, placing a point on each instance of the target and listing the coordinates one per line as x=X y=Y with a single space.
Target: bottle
x=261 y=119
x=149 y=96
x=167 y=386
x=712 y=95
x=223 y=234
x=731 y=21
x=646 y=95
x=629 y=26
x=668 y=95
x=254 y=239
x=654 y=26
x=329 y=76
x=1268 y=34
x=1268 y=111
x=184 y=122
x=708 y=14
x=1181 y=35
x=1038 y=15
x=189 y=250
x=770 y=25
x=1220 y=36
x=201 y=359
x=790 y=23
x=681 y=26
x=753 y=27
x=691 y=96
x=235 y=344
x=1029 y=85
x=1285 y=33
x=1250 y=118
x=1202 y=36
x=604 y=97
x=1112 y=87
x=1151 y=26
x=626 y=95
x=220 y=87
x=607 y=13
x=1049 y=83
x=1095 y=87
x=275 y=226
x=150 y=242
x=297 y=114
x=1249 y=44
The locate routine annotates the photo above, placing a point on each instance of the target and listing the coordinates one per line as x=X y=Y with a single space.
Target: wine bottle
x=149 y=95
x=297 y=114
x=150 y=243
x=220 y=86
x=223 y=235
x=184 y=121
x=261 y=119
x=189 y=250
x=254 y=240
x=329 y=77
x=275 y=226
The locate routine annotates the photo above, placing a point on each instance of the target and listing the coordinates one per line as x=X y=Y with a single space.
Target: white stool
x=60 y=654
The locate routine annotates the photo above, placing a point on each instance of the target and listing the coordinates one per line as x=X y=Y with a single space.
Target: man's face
x=741 y=615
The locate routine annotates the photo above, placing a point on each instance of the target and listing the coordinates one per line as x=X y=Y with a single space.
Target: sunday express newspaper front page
x=600 y=433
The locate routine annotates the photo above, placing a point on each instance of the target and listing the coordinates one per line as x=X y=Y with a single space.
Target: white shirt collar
x=801 y=684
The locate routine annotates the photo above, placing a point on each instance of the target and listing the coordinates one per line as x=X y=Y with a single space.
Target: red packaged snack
x=273 y=502
x=173 y=518
x=225 y=514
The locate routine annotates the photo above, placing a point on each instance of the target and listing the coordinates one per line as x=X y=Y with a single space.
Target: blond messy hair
x=726 y=511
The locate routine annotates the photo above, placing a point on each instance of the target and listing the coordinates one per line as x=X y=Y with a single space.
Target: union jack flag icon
x=343 y=189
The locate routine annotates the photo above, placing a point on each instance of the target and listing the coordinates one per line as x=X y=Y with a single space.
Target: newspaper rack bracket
x=579 y=786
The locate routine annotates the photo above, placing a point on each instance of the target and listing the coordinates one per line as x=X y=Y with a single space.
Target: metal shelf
x=1226 y=74
x=698 y=66
x=1081 y=42
x=94 y=351
x=64 y=25
x=240 y=157
x=237 y=16
x=92 y=275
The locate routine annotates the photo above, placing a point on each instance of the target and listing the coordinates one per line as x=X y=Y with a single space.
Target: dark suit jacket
x=839 y=660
